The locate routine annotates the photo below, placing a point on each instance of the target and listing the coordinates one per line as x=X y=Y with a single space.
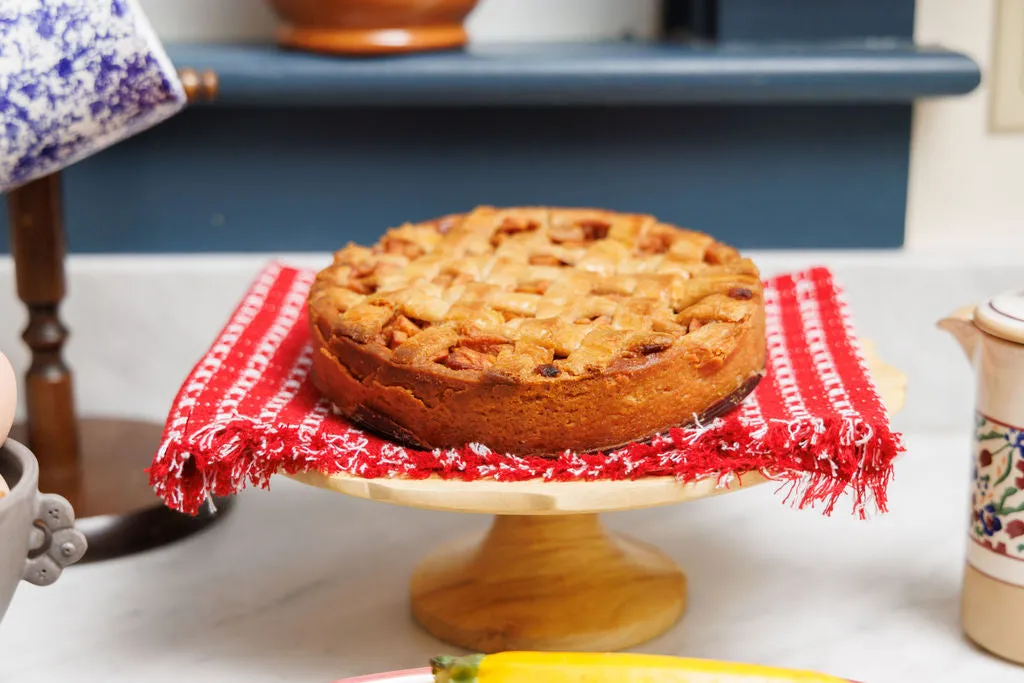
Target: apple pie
x=533 y=330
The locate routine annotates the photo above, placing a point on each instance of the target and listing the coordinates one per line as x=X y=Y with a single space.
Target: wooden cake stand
x=548 y=575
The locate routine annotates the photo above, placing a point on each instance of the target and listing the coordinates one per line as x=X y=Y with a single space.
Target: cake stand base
x=114 y=505
x=548 y=575
x=548 y=583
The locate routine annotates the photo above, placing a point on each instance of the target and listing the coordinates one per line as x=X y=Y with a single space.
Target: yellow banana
x=570 y=667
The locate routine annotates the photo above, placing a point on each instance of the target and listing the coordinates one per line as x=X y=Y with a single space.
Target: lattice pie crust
x=533 y=330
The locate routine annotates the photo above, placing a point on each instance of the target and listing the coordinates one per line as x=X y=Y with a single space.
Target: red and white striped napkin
x=249 y=410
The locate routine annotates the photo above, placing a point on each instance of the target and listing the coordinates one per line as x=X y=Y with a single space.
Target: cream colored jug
x=992 y=336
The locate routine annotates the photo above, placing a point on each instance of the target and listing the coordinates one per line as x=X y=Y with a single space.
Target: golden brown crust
x=457 y=330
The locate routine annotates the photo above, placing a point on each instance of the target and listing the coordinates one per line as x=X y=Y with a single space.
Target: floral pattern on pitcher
x=997 y=501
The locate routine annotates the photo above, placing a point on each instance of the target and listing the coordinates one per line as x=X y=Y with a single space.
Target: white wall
x=178 y=21
x=966 y=184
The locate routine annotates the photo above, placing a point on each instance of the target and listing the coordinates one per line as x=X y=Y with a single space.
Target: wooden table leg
x=98 y=465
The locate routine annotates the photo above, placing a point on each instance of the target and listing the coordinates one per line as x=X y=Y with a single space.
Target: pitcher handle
x=56 y=543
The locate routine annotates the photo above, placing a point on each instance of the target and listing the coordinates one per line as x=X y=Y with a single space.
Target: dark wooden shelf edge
x=606 y=74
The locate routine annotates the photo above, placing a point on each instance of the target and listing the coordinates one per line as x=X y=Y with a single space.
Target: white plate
x=407 y=676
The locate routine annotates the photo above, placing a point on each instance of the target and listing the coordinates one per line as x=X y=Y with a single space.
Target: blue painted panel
x=770 y=20
x=602 y=74
x=227 y=179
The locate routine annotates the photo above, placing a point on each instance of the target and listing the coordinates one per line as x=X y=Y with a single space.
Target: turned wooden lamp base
x=115 y=507
x=548 y=583
x=98 y=465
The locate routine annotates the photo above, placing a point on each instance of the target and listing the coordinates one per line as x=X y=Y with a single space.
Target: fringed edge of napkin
x=222 y=459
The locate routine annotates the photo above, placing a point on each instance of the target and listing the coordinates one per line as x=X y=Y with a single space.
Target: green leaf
x=1005 y=475
x=1011 y=511
x=990 y=435
x=1020 y=548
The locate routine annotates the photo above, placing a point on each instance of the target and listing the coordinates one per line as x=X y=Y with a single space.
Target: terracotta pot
x=367 y=27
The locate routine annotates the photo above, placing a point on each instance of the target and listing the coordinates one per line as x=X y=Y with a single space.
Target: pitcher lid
x=1003 y=316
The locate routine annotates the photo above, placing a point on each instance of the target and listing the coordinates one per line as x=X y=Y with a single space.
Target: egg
x=8 y=403
x=8 y=397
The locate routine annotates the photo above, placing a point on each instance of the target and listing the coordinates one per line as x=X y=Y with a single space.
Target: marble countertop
x=307 y=586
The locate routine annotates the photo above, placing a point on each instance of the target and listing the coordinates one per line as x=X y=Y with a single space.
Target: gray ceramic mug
x=37 y=535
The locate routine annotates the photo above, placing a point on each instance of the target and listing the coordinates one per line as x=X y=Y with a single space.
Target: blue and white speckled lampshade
x=76 y=76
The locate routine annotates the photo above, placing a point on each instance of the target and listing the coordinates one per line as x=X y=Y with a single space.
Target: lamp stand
x=97 y=464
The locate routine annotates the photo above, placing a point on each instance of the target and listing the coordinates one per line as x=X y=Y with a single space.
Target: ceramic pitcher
x=992 y=336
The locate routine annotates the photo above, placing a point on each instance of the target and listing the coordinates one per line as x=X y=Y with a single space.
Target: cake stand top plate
x=561 y=498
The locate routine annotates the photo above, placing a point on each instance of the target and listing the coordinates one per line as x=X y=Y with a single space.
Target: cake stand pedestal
x=548 y=575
